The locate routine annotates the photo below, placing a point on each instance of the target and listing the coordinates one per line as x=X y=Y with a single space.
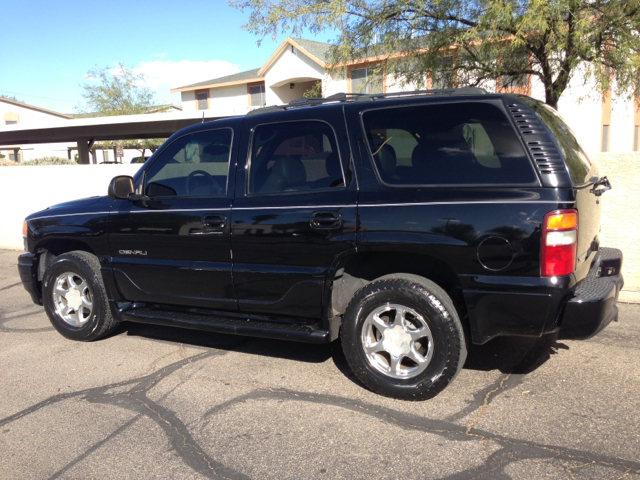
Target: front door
x=174 y=248
x=294 y=212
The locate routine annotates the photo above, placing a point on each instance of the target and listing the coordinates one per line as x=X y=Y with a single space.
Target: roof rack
x=365 y=97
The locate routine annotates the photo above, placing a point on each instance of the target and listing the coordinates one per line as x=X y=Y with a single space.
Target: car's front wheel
x=402 y=337
x=75 y=298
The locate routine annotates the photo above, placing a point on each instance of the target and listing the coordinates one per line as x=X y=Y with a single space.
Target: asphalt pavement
x=154 y=402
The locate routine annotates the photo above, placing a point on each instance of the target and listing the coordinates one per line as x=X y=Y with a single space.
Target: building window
x=12 y=157
x=257 y=96
x=366 y=80
x=516 y=61
x=442 y=76
x=202 y=100
x=11 y=118
x=605 y=138
x=636 y=138
x=510 y=81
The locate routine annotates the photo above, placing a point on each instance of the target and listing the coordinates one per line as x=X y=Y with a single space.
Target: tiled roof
x=317 y=49
x=33 y=107
x=248 y=75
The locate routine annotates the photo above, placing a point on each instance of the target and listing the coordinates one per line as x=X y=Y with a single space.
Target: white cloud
x=162 y=76
x=160 y=55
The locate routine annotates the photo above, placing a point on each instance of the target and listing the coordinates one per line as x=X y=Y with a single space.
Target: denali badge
x=132 y=252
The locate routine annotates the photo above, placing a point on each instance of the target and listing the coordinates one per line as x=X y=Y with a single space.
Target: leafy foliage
x=115 y=91
x=11 y=97
x=48 y=161
x=552 y=40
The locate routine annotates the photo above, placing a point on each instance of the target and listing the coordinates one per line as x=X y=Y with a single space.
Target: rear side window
x=294 y=157
x=574 y=156
x=446 y=144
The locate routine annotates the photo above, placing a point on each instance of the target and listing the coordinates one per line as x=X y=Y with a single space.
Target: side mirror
x=120 y=187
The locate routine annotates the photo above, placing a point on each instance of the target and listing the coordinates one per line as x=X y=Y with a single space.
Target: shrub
x=4 y=162
x=49 y=161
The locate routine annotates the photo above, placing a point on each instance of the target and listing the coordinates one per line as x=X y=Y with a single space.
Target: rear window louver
x=545 y=153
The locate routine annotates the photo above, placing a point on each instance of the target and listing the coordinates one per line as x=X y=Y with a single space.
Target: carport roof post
x=84 y=147
x=122 y=127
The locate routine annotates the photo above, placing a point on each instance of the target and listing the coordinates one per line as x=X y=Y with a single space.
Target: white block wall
x=25 y=190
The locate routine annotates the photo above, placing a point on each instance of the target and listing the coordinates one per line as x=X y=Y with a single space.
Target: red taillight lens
x=559 y=243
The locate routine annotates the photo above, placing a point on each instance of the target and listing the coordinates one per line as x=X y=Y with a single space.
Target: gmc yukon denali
x=405 y=225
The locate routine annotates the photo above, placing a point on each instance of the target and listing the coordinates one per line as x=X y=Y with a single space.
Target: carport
x=86 y=131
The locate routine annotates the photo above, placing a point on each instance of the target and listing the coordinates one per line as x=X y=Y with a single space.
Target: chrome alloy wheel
x=72 y=299
x=397 y=341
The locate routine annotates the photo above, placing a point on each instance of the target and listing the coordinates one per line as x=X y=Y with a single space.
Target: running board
x=231 y=325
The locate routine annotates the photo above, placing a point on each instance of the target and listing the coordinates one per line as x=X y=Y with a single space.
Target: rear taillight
x=559 y=243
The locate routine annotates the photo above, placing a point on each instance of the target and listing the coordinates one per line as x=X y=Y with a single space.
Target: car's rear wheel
x=402 y=337
x=75 y=298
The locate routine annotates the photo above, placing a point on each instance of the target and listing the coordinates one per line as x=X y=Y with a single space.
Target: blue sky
x=48 y=47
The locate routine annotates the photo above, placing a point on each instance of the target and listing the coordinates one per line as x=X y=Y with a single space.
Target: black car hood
x=83 y=202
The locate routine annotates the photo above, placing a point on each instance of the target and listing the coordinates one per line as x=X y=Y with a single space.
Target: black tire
x=94 y=322
x=435 y=309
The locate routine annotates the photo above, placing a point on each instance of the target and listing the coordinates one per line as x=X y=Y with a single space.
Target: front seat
x=287 y=173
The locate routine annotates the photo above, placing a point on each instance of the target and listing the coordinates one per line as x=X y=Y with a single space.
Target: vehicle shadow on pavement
x=520 y=355
x=295 y=351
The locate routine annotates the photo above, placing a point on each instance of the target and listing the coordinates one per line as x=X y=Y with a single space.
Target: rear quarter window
x=575 y=158
x=463 y=143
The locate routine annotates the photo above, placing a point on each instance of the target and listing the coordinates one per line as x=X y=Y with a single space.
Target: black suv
x=407 y=225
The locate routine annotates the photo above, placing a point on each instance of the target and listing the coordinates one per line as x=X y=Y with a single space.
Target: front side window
x=366 y=80
x=193 y=165
x=446 y=144
x=294 y=157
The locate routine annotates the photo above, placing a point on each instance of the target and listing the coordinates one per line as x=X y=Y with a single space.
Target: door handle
x=215 y=221
x=325 y=220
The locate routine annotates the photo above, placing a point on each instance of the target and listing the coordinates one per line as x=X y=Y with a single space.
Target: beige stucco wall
x=621 y=215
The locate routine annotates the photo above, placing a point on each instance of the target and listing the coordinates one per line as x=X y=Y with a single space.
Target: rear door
x=294 y=212
x=174 y=248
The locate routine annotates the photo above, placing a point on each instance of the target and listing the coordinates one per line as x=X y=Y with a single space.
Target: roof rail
x=365 y=97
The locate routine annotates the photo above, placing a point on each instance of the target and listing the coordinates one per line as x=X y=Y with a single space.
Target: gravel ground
x=151 y=402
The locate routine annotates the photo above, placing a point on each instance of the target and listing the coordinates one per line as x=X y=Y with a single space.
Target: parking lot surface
x=154 y=402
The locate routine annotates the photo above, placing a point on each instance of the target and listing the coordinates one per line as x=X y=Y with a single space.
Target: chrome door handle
x=325 y=220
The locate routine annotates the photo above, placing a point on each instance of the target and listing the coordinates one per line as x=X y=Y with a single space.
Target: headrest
x=291 y=170
x=387 y=159
x=213 y=153
x=332 y=164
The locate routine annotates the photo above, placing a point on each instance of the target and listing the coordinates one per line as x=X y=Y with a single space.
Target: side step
x=226 y=324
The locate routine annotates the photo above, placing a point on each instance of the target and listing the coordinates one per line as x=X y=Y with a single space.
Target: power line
x=36 y=96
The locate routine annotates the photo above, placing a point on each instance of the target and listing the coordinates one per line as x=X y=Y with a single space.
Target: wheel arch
x=359 y=269
x=48 y=250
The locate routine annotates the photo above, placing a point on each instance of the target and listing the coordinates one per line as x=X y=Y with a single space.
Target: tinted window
x=446 y=144
x=573 y=154
x=193 y=165
x=294 y=156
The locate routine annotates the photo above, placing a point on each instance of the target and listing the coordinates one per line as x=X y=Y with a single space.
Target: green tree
x=115 y=91
x=11 y=97
x=552 y=40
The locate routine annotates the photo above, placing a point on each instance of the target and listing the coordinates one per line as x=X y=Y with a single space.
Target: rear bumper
x=593 y=305
x=28 y=269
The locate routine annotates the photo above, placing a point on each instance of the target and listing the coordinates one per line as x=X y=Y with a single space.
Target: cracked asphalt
x=154 y=402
